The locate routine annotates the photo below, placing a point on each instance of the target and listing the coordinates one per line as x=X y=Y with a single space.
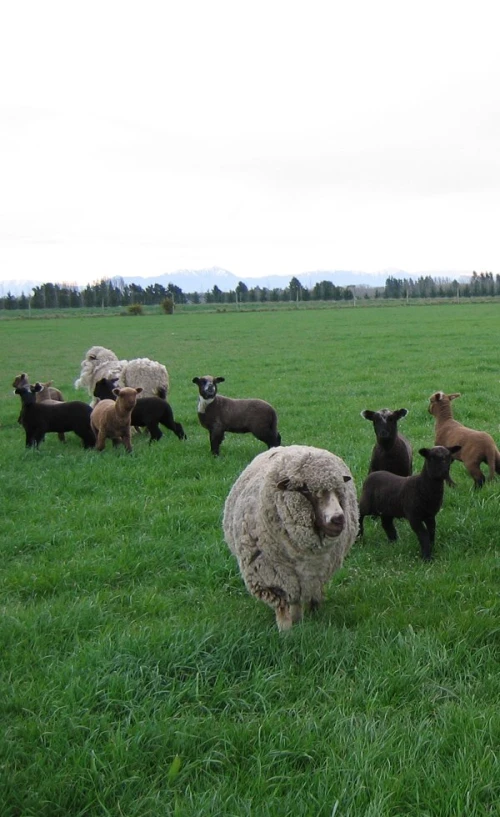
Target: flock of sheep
x=292 y=514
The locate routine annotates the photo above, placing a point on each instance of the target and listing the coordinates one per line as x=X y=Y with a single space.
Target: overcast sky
x=262 y=137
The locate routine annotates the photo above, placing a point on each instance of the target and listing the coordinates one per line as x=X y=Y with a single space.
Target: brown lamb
x=110 y=419
x=476 y=446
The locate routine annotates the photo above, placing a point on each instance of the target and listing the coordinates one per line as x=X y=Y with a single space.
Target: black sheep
x=392 y=452
x=38 y=419
x=417 y=498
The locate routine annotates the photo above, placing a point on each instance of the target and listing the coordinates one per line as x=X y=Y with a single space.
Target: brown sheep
x=110 y=419
x=476 y=446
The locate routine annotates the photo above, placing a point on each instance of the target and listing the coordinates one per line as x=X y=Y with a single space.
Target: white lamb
x=290 y=518
x=142 y=372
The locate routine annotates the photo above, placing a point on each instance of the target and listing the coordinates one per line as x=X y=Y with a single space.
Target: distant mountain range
x=205 y=279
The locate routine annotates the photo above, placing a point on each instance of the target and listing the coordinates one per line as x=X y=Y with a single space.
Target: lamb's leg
x=127 y=441
x=361 y=529
x=101 y=440
x=154 y=431
x=424 y=537
x=61 y=436
x=388 y=526
x=216 y=438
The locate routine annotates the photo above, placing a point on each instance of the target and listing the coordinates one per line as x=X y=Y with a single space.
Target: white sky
x=263 y=137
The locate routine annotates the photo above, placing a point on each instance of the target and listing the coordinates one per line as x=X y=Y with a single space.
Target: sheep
x=392 y=451
x=289 y=519
x=100 y=362
x=476 y=447
x=417 y=498
x=48 y=394
x=220 y=414
x=148 y=412
x=40 y=418
x=110 y=419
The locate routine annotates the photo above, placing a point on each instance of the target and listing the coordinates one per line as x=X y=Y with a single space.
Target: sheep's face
x=127 y=397
x=20 y=381
x=439 y=459
x=385 y=422
x=207 y=386
x=329 y=518
x=104 y=389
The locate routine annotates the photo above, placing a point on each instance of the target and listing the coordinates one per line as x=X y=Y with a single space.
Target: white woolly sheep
x=476 y=446
x=219 y=414
x=417 y=498
x=392 y=451
x=110 y=419
x=100 y=362
x=289 y=519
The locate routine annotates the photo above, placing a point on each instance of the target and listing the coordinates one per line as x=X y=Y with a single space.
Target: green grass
x=139 y=678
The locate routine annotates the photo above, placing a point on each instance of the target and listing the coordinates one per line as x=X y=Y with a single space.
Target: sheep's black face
x=438 y=460
x=385 y=422
x=207 y=386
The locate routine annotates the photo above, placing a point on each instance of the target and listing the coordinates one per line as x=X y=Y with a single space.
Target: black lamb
x=38 y=419
x=392 y=452
x=148 y=412
x=417 y=498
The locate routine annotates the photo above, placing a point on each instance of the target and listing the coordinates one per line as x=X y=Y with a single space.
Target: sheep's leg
x=101 y=441
x=361 y=529
x=127 y=441
x=61 y=436
x=288 y=615
x=216 y=438
x=155 y=432
x=477 y=475
x=424 y=537
x=388 y=526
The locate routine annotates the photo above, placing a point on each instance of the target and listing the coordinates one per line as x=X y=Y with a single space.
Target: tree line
x=115 y=293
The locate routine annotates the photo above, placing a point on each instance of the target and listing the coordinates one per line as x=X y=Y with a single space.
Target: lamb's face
x=207 y=386
x=439 y=459
x=127 y=397
x=385 y=422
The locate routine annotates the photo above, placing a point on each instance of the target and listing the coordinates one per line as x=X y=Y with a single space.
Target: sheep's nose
x=337 y=519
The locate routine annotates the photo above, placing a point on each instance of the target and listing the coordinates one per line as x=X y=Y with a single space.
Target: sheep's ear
x=92 y=357
x=367 y=414
x=219 y=379
x=196 y=380
x=346 y=478
x=283 y=484
x=116 y=392
x=139 y=389
x=400 y=413
x=454 y=449
x=424 y=452
x=37 y=387
x=454 y=395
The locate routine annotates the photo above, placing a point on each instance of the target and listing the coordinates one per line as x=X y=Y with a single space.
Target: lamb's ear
x=116 y=392
x=424 y=452
x=219 y=379
x=400 y=413
x=454 y=395
x=196 y=380
x=346 y=478
x=37 y=387
x=454 y=449
x=367 y=414
x=139 y=389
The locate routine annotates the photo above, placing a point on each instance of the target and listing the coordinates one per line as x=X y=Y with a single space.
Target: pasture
x=140 y=679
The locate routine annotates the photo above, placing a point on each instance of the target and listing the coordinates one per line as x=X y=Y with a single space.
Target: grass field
x=138 y=677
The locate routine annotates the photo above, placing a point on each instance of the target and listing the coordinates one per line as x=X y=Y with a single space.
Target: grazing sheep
x=148 y=412
x=417 y=498
x=100 y=362
x=220 y=414
x=48 y=394
x=110 y=419
x=476 y=447
x=289 y=519
x=392 y=452
x=40 y=418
